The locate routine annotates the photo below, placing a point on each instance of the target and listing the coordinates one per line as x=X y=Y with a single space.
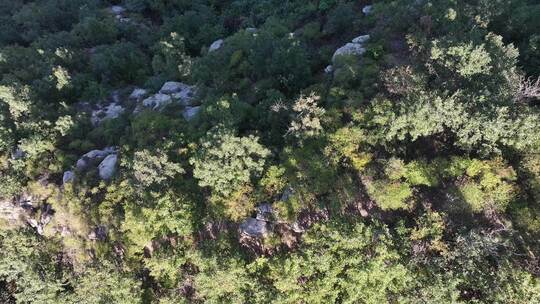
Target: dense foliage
x=408 y=172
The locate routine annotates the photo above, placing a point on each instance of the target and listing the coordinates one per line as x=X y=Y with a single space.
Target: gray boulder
x=216 y=45
x=118 y=9
x=254 y=227
x=68 y=177
x=93 y=155
x=157 y=101
x=329 y=69
x=349 y=49
x=190 y=112
x=361 y=39
x=107 y=168
x=170 y=87
x=367 y=9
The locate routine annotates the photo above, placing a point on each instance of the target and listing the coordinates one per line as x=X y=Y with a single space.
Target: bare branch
x=528 y=89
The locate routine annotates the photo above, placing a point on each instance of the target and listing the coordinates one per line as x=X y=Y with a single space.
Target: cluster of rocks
x=172 y=92
x=107 y=159
x=355 y=48
x=260 y=225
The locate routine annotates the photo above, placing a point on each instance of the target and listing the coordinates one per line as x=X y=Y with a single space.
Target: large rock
x=93 y=155
x=367 y=9
x=170 y=87
x=117 y=9
x=349 y=49
x=157 y=101
x=68 y=177
x=216 y=45
x=254 y=227
x=107 y=168
x=190 y=112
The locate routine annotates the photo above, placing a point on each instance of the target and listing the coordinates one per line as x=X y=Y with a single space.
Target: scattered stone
x=138 y=94
x=107 y=167
x=157 y=101
x=216 y=45
x=118 y=9
x=329 y=69
x=190 y=112
x=367 y=9
x=254 y=227
x=251 y=30
x=68 y=177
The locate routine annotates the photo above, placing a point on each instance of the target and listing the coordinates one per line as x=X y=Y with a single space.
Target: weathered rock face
x=216 y=45
x=349 y=49
x=170 y=87
x=12 y=214
x=93 y=155
x=157 y=101
x=107 y=168
x=254 y=227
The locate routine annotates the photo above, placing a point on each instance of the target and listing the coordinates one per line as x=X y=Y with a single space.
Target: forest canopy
x=265 y=151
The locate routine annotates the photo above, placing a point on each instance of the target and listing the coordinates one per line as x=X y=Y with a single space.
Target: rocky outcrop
x=107 y=168
x=355 y=47
x=157 y=101
x=171 y=87
x=93 y=156
x=173 y=92
x=254 y=227
x=12 y=214
x=216 y=45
